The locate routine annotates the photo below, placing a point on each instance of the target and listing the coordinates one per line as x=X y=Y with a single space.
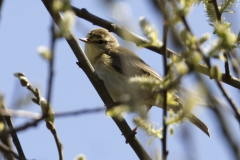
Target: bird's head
x=99 y=41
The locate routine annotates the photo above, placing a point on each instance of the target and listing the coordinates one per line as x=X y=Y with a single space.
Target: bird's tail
x=197 y=122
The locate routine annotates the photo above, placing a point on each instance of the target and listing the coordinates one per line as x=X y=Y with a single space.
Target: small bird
x=116 y=65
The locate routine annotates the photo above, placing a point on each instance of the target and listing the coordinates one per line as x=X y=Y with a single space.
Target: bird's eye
x=100 y=42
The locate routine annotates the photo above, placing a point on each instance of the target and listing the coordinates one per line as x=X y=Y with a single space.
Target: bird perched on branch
x=116 y=66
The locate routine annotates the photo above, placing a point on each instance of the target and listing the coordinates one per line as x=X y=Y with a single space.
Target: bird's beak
x=84 y=40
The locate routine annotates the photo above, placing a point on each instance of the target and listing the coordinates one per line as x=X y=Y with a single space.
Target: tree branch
x=120 y=31
x=53 y=130
x=164 y=139
x=226 y=53
x=227 y=70
x=207 y=60
x=99 y=85
x=161 y=6
x=6 y=149
x=34 y=115
x=13 y=134
x=218 y=14
x=21 y=128
x=234 y=107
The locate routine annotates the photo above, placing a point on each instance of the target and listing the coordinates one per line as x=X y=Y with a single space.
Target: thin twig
x=165 y=66
x=226 y=64
x=226 y=53
x=164 y=139
x=234 y=107
x=197 y=45
x=99 y=86
x=6 y=140
x=34 y=115
x=161 y=6
x=217 y=107
x=14 y=136
x=6 y=149
x=1 y=2
x=51 y=65
x=207 y=60
x=49 y=125
x=38 y=117
x=52 y=128
x=218 y=14
x=120 y=31
x=226 y=133
x=21 y=128
x=45 y=115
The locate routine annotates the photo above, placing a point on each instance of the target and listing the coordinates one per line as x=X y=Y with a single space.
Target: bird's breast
x=117 y=84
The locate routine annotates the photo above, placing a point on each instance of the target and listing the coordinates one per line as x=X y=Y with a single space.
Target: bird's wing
x=128 y=63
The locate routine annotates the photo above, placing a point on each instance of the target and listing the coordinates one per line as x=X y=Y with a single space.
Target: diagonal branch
x=98 y=84
x=226 y=53
x=14 y=136
x=227 y=70
x=207 y=60
x=120 y=31
x=234 y=107
x=6 y=149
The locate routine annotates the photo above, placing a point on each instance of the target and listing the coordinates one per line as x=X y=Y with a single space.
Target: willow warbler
x=116 y=65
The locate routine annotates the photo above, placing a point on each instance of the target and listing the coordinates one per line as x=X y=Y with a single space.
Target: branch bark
x=14 y=136
x=99 y=85
x=120 y=31
x=6 y=149
x=233 y=105
x=226 y=53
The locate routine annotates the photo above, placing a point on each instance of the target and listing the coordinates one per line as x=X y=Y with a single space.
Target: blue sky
x=25 y=25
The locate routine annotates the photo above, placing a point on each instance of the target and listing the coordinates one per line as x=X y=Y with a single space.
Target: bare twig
x=80 y=112
x=226 y=65
x=218 y=14
x=227 y=70
x=34 y=115
x=99 y=86
x=49 y=125
x=207 y=60
x=51 y=64
x=1 y=2
x=21 y=128
x=164 y=139
x=13 y=134
x=39 y=117
x=215 y=106
x=234 y=107
x=6 y=149
x=52 y=128
x=6 y=140
x=120 y=31
x=226 y=53
x=20 y=113
x=162 y=9
x=161 y=6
